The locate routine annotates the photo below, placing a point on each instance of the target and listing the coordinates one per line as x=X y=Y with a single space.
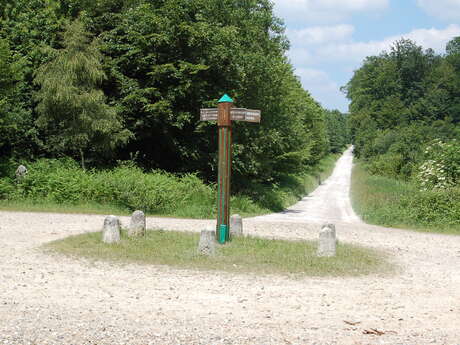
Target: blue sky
x=330 y=38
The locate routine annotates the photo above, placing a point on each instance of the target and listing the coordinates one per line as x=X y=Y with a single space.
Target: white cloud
x=301 y=56
x=357 y=51
x=320 y=34
x=318 y=78
x=433 y=38
x=443 y=9
x=317 y=11
x=315 y=48
x=321 y=87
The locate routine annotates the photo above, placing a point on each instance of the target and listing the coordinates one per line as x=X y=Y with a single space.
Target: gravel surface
x=50 y=299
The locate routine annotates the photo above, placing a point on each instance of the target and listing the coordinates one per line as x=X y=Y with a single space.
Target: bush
x=388 y=201
x=62 y=181
x=434 y=207
x=388 y=164
x=441 y=167
x=6 y=188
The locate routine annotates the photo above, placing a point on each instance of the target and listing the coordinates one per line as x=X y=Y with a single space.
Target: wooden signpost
x=224 y=115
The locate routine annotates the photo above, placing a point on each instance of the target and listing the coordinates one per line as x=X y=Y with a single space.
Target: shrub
x=391 y=202
x=441 y=166
x=389 y=164
x=62 y=181
x=6 y=188
x=434 y=207
x=127 y=187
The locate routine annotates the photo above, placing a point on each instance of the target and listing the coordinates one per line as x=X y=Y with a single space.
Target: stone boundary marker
x=327 y=241
x=207 y=244
x=21 y=172
x=236 y=225
x=111 y=230
x=137 y=224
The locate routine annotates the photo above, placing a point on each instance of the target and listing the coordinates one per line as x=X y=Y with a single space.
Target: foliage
x=404 y=118
x=434 y=207
x=72 y=110
x=201 y=50
x=56 y=185
x=26 y=25
x=149 y=69
x=391 y=202
x=337 y=130
x=400 y=101
x=441 y=166
x=126 y=186
x=14 y=117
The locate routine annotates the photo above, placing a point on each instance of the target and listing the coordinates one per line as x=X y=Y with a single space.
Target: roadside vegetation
x=86 y=85
x=62 y=186
x=404 y=120
x=386 y=201
x=241 y=255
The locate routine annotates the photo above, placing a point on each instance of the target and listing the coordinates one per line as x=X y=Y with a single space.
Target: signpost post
x=224 y=115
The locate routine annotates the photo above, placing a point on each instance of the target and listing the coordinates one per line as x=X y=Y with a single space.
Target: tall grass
x=386 y=201
x=62 y=186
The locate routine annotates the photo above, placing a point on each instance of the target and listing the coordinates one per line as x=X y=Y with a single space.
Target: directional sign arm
x=210 y=114
x=243 y=114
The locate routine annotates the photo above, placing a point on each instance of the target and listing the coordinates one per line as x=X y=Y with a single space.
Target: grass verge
x=389 y=202
x=241 y=255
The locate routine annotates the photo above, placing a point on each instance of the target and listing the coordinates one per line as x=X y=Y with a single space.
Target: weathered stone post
x=327 y=241
x=207 y=244
x=236 y=225
x=111 y=230
x=21 y=172
x=137 y=224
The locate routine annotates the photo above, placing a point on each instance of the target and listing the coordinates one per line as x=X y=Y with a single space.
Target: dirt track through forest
x=50 y=299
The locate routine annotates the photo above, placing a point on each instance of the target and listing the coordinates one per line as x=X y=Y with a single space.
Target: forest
x=404 y=120
x=114 y=87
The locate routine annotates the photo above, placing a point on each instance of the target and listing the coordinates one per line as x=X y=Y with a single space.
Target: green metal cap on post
x=225 y=99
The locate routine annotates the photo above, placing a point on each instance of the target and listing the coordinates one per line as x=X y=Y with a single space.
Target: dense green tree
x=451 y=79
x=72 y=109
x=400 y=101
x=453 y=46
x=337 y=130
x=163 y=61
x=25 y=26
x=15 y=119
x=168 y=59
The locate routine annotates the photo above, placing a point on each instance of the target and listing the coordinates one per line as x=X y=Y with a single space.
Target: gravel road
x=49 y=299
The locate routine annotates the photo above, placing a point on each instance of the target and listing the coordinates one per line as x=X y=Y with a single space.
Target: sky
x=330 y=38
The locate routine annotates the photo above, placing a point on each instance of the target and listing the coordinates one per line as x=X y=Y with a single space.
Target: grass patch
x=241 y=255
x=62 y=186
x=389 y=202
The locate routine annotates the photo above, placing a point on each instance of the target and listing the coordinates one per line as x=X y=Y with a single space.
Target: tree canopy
x=71 y=108
x=107 y=68
x=401 y=101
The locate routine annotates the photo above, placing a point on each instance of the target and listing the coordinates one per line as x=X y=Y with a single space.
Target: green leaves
x=399 y=102
x=72 y=110
x=149 y=70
